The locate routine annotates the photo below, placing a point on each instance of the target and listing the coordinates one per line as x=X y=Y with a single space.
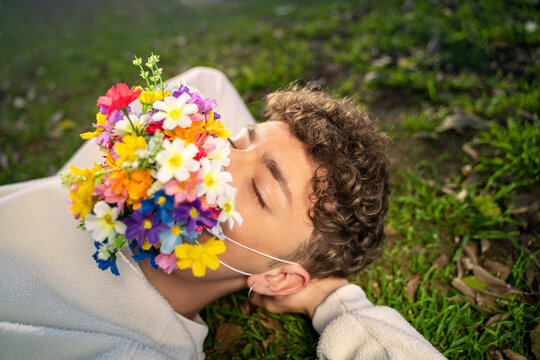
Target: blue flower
x=175 y=236
x=105 y=258
x=149 y=254
x=163 y=203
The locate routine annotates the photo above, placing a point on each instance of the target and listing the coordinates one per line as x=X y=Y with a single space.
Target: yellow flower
x=100 y=120
x=199 y=256
x=127 y=149
x=82 y=195
x=216 y=127
x=148 y=97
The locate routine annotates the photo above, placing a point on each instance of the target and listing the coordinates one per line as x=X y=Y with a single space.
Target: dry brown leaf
x=471 y=249
x=535 y=342
x=226 y=334
x=485 y=244
x=376 y=287
x=244 y=307
x=513 y=355
x=483 y=301
x=496 y=285
x=486 y=303
x=493 y=319
x=464 y=289
x=502 y=270
x=462 y=195
x=524 y=203
x=448 y=189
x=484 y=276
x=411 y=287
x=467 y=262
x=460 y=271
x=441 y=262
x=494 y=355
x=468 y=149
x=270 y=323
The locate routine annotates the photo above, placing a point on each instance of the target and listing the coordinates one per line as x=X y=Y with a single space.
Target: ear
x=280 y=281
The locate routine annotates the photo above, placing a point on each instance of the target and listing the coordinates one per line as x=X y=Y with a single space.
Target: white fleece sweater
x=56 y=304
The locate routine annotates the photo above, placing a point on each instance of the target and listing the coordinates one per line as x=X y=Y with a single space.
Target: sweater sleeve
x=351 y=327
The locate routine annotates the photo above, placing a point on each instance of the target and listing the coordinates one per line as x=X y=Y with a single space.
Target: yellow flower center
x=161 y=200
x=147 y=224
x=108 y=219
x=176 y=230
x=227 y=207
x=209 y=180
x=174 y=161
x=194 y=213
x=175 y=114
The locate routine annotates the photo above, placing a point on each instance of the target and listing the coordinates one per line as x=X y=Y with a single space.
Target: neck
x=189 y=295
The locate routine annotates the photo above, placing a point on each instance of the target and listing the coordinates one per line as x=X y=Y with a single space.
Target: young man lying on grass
x=312 y=189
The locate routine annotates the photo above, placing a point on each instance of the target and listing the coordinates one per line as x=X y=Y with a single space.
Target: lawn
x=456 y=85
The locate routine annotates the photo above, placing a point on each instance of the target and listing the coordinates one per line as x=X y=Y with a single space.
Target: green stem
x=132 y=126
x=101 y=173
x=146 y=77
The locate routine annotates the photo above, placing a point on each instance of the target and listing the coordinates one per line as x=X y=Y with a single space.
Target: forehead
x=292 y=157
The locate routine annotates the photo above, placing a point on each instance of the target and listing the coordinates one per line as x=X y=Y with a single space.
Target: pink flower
x=167 y=262
x=183 y=190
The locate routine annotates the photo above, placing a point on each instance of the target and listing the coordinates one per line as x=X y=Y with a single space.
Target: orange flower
x=117 y=182
x=139 y=183
x=212 y=126
x=189 y=134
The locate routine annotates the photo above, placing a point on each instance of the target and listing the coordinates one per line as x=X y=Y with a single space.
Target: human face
x=272 y=173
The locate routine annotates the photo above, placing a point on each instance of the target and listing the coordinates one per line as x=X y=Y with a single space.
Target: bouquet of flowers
x=162 y=180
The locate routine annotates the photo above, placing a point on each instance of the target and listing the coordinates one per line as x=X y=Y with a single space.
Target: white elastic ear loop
x=234 y=269
x=255 y=251
x=261 y=253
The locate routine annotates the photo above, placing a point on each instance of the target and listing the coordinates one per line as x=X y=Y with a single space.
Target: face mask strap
x=235 y=269
x=261 y=253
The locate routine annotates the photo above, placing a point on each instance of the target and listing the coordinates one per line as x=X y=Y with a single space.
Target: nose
x=242 y=165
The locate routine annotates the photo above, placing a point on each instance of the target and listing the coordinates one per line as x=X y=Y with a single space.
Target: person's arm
x=351 y=327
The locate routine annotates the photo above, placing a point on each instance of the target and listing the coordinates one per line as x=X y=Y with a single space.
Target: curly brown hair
x=350 y=185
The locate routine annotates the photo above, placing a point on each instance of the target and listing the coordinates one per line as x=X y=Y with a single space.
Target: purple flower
x=143 y=227
x=194 y=215
x=204 y=105
x=182 y=89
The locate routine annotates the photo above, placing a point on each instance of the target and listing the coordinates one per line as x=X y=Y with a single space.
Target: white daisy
x=220 y=150
x=176 y=161
x=104 y=224
x=227 y=202
x=175 y=111
x=123 y=127
x=214 y=180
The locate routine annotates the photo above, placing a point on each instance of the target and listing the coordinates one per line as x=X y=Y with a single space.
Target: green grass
x=427 y=59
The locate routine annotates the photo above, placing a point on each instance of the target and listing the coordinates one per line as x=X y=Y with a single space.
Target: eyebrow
x=252 y=133
x=276 y=172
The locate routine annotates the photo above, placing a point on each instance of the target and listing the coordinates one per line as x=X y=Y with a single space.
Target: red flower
x=154 y=126
x=118 y=97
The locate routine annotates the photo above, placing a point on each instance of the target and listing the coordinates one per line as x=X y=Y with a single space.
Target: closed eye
x=232 y=144
x=257 y=193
